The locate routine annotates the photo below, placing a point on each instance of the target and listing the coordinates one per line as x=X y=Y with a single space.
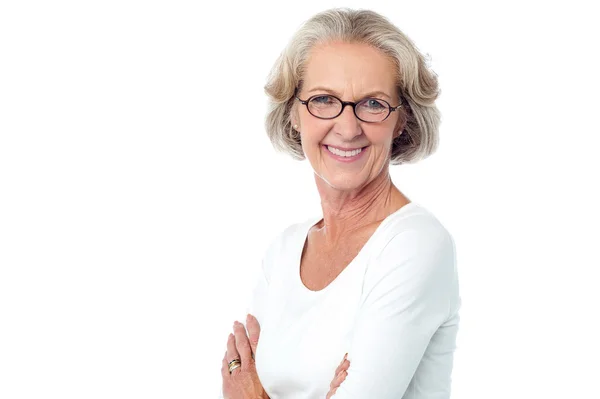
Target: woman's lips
x=345 y=159
x=344 y=149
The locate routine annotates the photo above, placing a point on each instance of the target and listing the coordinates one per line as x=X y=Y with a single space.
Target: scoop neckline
x=306 y=230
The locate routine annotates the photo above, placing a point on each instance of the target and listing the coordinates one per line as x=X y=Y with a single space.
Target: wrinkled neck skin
x=346 y=212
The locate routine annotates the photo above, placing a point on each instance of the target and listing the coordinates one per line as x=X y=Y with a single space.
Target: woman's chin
x=341 y=183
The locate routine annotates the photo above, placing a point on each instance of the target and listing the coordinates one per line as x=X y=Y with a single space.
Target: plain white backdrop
x=138 y=190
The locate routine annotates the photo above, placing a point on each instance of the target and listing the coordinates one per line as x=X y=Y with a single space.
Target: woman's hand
x=340 y=375
x=243 y=382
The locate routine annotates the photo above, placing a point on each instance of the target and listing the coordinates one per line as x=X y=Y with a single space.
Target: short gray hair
x=417 y=84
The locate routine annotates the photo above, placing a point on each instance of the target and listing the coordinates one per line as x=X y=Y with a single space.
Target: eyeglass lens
x=368 y=109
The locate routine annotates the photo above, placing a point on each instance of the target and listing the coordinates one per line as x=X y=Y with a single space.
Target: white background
x=138 y=190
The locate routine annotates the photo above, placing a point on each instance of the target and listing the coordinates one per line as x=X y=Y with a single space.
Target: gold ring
x=234 y=364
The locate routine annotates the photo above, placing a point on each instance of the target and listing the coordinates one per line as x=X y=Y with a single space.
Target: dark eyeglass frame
x=344 y=104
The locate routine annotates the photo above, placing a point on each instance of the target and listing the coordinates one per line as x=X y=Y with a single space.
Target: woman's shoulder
x=413 y=220
x=414 y=257
x=286 y=241
x=291 y=233
x=414 y=235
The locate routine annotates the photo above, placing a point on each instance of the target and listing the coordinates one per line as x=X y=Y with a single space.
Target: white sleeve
x=257 y=302
x=408 y=294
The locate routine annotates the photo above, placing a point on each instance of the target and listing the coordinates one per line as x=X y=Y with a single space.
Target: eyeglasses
x=327 y=106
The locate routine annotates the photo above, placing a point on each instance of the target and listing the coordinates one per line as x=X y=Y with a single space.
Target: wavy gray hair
x=417 y=84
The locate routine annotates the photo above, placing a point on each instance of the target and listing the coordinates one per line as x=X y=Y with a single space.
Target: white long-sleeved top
x=394 y=309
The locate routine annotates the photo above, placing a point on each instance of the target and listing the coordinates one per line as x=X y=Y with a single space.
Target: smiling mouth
x=342 y=153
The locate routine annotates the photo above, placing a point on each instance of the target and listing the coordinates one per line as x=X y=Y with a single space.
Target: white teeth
x=344 y=153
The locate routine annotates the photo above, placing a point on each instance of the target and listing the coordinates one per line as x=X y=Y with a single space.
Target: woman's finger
x=341 y=366
x=224 y=367
x=243 y=345
x=253 y=331
x=232 y=352
x=344 y=365
x=337 y=381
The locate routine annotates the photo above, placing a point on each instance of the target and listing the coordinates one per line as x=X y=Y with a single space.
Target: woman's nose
x=347 y=124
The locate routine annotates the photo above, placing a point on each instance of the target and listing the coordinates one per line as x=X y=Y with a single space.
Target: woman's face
x=351 y=72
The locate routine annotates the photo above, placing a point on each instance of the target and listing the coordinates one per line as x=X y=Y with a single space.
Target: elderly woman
x=374 y=277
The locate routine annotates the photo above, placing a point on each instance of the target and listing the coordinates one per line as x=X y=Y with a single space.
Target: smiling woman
x=373 y=277
x=355 y=71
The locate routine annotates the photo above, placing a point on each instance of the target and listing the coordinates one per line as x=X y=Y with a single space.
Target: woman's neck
x=347 y=212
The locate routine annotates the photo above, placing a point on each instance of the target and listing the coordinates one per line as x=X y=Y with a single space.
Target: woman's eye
x=322 y=99
x=374 y=104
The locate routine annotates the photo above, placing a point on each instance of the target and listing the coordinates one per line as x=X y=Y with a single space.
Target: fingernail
x=346 y=356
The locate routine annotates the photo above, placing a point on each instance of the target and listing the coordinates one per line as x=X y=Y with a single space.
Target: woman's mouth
x=345 y=155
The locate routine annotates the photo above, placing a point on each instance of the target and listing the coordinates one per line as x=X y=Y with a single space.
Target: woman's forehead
x=342 y=66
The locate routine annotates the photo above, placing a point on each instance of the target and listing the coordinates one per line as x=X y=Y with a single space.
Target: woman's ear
x=294 y=120
x=399 y=129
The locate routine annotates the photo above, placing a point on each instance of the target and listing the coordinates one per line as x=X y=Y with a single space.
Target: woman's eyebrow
x=376 y=93
x=324 y=89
